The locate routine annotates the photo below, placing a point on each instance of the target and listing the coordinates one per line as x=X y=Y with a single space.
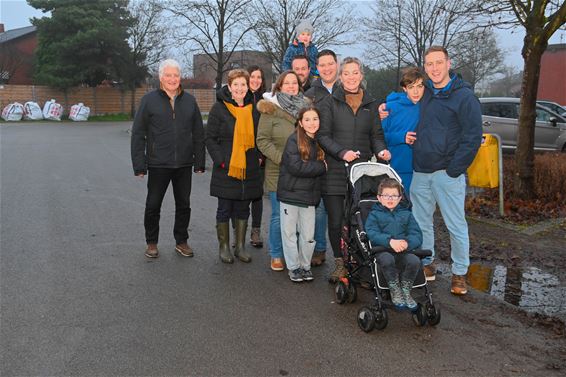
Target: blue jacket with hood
x=403 y=117
x=449 y=132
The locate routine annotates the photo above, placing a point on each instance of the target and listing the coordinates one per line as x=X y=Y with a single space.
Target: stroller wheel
x=352 y=293
x=341 y=292
x=381 y=318
x=433 y=314
x=420 y=316
x=366 y=319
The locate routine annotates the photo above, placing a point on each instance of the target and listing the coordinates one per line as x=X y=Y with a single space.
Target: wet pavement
x=77 y=296
x=529 y=288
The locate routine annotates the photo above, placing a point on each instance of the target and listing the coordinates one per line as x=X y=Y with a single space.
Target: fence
x=101 y=100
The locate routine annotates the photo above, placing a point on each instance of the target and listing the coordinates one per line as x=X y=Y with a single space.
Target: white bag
x=79 y=112
x=32 y=111
x=13 y=112
x=52 y=110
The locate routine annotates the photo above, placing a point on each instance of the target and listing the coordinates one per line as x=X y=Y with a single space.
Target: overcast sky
x=16 y=13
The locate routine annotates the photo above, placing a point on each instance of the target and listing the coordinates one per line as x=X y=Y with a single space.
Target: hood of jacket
x=399 y=101
x=224 y=95
x=456 y=83
x=269 y=105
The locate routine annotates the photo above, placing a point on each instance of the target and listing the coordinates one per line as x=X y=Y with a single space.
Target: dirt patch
x=517 y=253
x=494 y=243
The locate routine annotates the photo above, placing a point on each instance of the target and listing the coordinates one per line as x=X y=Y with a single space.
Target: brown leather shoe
x=459 y=286
x=430 y=272
x=151 y=251
x=255 y=238
x=318 y=258
x=277 y=264
x=184 y=249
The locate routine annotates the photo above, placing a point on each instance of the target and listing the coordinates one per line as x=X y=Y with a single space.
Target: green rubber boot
x=240 y=250
x=223 y=234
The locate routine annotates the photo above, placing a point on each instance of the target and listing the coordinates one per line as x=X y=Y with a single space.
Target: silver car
x=554 y=107
x=500 y=116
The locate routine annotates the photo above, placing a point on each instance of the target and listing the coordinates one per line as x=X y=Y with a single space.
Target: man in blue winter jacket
x=448 y=136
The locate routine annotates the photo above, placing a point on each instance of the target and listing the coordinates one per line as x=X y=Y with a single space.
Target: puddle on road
x=529 y=288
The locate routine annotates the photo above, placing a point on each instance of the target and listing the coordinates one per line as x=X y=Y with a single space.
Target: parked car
x=553 y=106
x=500 y=116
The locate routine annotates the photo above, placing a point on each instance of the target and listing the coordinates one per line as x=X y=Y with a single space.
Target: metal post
x=500 y=158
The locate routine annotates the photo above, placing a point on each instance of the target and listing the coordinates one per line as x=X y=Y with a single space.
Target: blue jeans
x=275 y=241
x=320 y=228
x=430 y=189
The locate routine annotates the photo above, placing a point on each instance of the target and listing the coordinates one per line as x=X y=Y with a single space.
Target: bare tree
x=404 y=29
x=540 y=20
x=276 y=21
x=213 y=27
x=10 y=60
x=477 y=56
x=148 y=42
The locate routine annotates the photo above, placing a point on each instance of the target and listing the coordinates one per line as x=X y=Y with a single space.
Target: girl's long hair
x=303 y=139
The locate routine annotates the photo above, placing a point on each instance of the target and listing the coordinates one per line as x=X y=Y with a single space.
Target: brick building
x=552 y=80
x=17 y=47
x=205 y=69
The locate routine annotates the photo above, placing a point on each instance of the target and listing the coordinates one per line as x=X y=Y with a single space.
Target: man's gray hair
x=168 y=63
x=350 y=60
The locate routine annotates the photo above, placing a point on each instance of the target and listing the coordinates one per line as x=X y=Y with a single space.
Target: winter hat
x=304 y=26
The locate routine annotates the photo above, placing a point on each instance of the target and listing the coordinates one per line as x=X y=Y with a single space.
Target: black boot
x=240 y=251
x=223 y=234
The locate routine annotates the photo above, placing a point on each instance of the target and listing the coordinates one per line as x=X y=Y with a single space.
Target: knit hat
x=304 y=26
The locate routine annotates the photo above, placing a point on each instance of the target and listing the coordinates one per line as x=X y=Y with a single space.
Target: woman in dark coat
x=350 y=131
x=257 y=86
x=236 y=180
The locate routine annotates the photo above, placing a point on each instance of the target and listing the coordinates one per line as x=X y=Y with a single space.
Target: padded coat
x=219 y=140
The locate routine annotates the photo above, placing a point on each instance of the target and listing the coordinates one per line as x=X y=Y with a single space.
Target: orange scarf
x=243 y=139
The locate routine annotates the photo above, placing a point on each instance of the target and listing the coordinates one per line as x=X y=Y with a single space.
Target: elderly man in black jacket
x=167 y=143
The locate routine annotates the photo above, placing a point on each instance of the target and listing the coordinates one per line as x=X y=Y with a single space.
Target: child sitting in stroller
x=391 y=224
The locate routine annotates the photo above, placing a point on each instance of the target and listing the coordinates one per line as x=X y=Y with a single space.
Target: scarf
x=243 y=139
x=292 y=104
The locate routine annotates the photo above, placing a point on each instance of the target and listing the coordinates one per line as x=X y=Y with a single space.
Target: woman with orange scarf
x=230 y=140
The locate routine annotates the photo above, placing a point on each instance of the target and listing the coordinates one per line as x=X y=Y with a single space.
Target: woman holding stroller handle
x=230 y=140
x=391 y=224
x=399 y=127
x=349 y=130
x=279 y=111
x=298 y=190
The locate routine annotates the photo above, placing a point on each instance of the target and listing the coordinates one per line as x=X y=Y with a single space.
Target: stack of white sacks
x=51 y=111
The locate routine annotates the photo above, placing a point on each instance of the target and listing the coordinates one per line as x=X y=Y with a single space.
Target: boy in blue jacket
x=302 y=45
x=391 y=224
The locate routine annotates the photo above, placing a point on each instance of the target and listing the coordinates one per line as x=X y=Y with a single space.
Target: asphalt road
x=79 y=298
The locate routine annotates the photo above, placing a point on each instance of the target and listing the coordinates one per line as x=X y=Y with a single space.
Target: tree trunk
x=219 y=69
x=524 y=155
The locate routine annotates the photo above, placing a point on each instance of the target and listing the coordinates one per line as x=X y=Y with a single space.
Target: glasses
x=390 y=197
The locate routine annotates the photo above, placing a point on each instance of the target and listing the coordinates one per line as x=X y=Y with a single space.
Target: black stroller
x=360 y=257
